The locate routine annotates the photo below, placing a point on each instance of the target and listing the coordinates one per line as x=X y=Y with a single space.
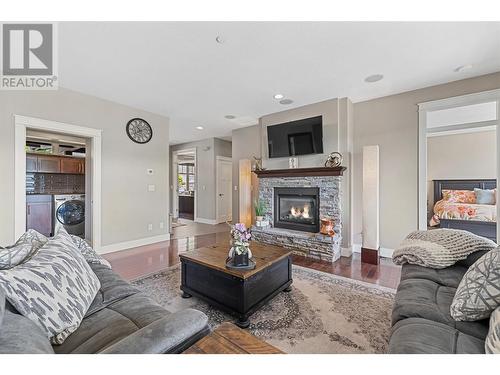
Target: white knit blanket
x=439 y=248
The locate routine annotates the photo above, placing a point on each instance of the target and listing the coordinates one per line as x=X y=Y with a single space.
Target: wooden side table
x=229 y=339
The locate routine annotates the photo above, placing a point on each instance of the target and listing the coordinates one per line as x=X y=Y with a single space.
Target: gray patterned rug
x=323 y=313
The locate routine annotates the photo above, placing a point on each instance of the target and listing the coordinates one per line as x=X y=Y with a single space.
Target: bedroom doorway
x=458 y=153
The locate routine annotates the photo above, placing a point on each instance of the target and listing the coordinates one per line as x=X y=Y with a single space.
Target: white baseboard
x=205 y=221
x=383 y=251
x=134 y=243
x=346 y=251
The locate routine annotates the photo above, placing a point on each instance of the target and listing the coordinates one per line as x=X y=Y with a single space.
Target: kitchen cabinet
x=72 y=165
x=31 y=163
x=54 y=164
x=39 y=213
x=48 y=164
x=186 y=207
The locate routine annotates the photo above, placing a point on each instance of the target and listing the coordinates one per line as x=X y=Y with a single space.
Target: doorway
x=89 y=139
x=184 y=185
x=224 y=181
x=444 y=125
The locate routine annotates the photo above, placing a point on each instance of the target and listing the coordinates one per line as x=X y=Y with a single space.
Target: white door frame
x=423 y=133
x=22 y=123
x=223 y=159
x=175 y=185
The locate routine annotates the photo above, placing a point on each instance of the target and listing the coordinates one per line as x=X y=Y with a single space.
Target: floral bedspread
x=444 y=209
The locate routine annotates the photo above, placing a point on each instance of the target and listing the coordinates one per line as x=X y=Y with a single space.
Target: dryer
x=69 y=212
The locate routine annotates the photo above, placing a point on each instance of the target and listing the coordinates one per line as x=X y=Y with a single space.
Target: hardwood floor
x=145 y=260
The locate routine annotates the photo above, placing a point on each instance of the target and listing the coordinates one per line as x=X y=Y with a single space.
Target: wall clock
x=139 y=130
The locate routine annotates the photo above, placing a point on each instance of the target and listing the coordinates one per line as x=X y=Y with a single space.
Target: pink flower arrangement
x=240 y=238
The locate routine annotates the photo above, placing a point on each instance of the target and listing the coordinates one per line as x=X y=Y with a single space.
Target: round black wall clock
x=139 y=130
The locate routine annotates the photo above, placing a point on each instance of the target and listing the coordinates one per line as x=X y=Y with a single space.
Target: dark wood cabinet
x=72 y=165
x=39 y=213
x=31 y=163
x=186 y=207
x=54 y=164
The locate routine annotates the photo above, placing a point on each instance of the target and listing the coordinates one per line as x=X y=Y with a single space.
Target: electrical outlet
x=151 y=187
x=150 y=226
x=161 y=224
x=235 y=187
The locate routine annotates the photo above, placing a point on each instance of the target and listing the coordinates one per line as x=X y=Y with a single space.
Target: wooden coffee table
x=229 y=339
x=238 y=292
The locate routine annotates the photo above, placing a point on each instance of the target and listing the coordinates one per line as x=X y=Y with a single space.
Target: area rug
x=323 y=313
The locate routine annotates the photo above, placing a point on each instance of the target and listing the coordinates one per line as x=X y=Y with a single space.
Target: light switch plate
x=151 y=187
x=150 y=226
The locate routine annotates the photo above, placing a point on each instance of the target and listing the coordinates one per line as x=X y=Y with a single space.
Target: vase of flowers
x=240 y=253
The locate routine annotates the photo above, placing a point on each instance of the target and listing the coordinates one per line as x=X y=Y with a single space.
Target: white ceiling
x=180 y=71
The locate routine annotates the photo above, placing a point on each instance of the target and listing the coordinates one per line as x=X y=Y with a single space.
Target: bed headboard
x=440 y=185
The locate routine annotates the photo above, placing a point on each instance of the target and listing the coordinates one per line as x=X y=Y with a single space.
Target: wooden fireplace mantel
x=301 y=172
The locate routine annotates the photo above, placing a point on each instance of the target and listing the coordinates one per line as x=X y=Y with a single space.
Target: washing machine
x=69 y=212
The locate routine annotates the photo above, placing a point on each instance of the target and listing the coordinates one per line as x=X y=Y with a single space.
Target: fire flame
x=297 y=212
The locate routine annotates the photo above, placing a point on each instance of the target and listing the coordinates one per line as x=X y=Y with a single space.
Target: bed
x=466 y=214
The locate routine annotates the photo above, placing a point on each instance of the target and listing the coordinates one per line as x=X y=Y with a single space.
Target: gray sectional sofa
x=421 y=320
x=121 y=319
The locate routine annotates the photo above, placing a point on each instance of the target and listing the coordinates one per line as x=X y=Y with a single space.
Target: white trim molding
x=384 y=252
x=205 y=221
x=134 y=243
x=21 y=124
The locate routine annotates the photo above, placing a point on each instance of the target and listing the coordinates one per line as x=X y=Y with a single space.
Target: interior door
x=224 y=196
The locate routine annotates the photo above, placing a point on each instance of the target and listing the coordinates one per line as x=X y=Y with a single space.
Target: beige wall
x=460 y=156
x=127 y=206
x=206 y=152
x=392 y=123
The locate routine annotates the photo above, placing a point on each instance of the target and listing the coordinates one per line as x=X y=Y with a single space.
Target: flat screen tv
x=301 y=137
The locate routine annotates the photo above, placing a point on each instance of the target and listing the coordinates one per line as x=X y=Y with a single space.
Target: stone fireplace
x=296 y=200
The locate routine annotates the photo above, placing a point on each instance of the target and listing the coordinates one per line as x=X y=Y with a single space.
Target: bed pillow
x=24 y=248
x=492 y=343
x=54 y=288
x=459 y=196
x=478 y=293
x=486 y=196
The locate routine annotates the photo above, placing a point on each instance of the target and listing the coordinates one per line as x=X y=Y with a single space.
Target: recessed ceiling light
x=219 y=39
x=286 y=101
x=374 y=78
x=230 y=117
x=279 y=96
x=462 y=68
x=199 y=128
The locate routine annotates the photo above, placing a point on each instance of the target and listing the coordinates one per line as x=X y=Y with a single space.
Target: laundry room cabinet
x=39 y=213
x=54 y=164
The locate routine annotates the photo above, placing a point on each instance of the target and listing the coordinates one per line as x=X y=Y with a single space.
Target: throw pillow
x=459 y=196
x=486 y=196
x=492 y=343
x=478 y=294
x=88 y=252
x=2 y=308
x=54 y=288
x=24 y=248
x=439 y=248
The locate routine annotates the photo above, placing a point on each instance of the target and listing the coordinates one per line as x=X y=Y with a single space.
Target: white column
x=371 y=220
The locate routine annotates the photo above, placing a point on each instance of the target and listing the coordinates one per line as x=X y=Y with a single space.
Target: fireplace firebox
x=297 y=208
